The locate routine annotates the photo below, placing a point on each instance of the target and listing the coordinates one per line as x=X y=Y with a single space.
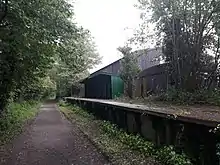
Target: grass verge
x=120 y=147
x=14 y=118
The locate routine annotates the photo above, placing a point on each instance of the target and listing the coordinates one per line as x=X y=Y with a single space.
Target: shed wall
x=117 y=86
x=98 y=87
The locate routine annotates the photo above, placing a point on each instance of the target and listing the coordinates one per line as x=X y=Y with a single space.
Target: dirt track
x=52 y=140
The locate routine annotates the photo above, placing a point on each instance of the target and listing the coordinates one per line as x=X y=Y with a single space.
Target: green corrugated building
x=103 y=86
x=106 y=83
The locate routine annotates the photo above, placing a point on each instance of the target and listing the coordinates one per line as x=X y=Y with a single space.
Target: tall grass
x=13 y=118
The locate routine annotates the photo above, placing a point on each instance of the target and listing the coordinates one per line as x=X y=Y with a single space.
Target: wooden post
x=117 y=117
x=84 y=104
x=125 y=120
x=168 y=132
x=80 y=104
x=157 y=127
x=110 y=116
x=114 y=119
x=92 y=107
x=131 y=122
x=147 y=129
x=138 y=122
x=105 y=113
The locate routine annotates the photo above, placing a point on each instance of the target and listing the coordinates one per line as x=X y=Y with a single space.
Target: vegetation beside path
x=14 y=117
x=120 y=147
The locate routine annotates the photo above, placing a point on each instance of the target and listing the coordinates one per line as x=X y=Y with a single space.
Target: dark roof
x=94 y=75
x=105 y=67
x=138 y=52
x=154 y=70
x=143 y=51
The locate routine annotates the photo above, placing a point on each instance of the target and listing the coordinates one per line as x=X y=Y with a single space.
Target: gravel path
x=52 y=140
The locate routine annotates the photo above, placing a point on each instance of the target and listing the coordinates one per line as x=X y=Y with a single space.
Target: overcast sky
x=107 y=20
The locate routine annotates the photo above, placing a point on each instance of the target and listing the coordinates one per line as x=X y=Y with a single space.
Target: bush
x=197 y=97
x=13 y=117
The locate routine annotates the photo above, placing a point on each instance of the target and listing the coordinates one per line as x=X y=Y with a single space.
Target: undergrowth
x=76 y=109
x=183 y=97
x=178 y=97
x=13 y=118
x=166 y=155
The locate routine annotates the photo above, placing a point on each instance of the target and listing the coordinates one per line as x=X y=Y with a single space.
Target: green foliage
x=188 y=32
x=29 y=35
x=38 y=37
x=183 y=97
x=116 y=151
x=62 y=103
x=13 y=118
x=129 y=64
x=165 y=155
x=129 y=69
x=76 y=109
x=73 y=60
x=135 y=142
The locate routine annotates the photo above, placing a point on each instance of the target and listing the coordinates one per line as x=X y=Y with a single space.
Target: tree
x=33 y=35
x=73 y=61
x=28 y=42
x=129 y=69
x=188 y=31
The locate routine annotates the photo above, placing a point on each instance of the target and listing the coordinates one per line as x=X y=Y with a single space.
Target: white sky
x=107 y=20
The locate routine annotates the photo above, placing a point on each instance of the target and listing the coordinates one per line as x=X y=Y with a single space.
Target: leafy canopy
x=36 y=36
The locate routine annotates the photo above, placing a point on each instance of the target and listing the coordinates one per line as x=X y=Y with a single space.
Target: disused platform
x=205 y=115
x=189 y=129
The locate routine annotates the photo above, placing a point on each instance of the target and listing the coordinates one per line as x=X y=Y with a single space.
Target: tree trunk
x=130 y=89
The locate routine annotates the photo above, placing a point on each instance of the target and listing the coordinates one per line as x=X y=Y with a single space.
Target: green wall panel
x=117 y=86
